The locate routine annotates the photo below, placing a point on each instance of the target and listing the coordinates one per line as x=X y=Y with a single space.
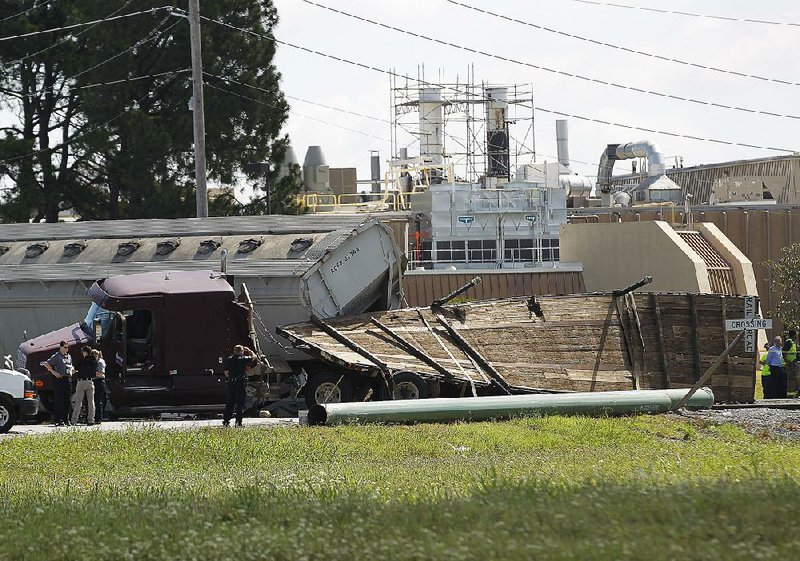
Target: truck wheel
x=8 y=414
x=327 y=387
x=409 y=385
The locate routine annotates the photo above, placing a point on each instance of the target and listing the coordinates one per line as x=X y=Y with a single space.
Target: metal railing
x=348 y=202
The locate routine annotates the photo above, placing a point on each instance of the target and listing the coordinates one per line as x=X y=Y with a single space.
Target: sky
x=751 y=48
x=764 y=50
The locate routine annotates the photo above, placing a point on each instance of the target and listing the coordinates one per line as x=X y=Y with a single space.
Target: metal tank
x=289 y=160
x=316 y=174
x=293 y=266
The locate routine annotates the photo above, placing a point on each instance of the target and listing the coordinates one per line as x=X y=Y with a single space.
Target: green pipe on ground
x=506 y=407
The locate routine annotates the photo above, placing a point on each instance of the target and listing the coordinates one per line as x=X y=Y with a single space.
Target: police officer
x=777 y=376
x=236 y=367
x=790 y=360
x=60 y=366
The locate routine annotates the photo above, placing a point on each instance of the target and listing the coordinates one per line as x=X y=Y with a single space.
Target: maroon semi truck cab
x=164 y=337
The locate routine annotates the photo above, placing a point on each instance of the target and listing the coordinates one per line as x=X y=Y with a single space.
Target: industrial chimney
x=497 y=145
x=562 y=142
x=431 y=124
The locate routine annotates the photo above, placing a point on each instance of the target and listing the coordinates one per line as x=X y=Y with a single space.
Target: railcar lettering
x=338 y=265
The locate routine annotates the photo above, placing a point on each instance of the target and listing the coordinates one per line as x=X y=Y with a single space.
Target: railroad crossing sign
x=749 y=324
x=750 y=311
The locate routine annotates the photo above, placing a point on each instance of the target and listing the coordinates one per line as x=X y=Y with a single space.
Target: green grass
x=550 y=488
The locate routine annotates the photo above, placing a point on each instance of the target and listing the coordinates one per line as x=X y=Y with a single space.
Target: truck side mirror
x=97 y=328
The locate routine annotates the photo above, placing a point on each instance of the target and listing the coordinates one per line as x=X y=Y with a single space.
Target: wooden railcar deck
x=586 y=342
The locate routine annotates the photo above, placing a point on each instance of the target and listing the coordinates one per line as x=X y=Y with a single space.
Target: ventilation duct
x=643 y=149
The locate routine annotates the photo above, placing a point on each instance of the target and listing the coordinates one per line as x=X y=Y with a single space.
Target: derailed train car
x=292 y=267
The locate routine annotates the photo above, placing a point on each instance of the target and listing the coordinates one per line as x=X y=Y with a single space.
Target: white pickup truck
x=17 y=398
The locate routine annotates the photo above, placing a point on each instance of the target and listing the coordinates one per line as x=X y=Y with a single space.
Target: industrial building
x=774 y=179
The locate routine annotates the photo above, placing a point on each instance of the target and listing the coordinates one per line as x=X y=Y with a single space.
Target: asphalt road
x=109 y=426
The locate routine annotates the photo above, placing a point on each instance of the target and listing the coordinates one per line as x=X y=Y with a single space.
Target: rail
x=322 y=203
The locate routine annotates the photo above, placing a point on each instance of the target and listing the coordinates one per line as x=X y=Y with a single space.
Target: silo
x=497 y=145
x=316 y=176
x=431 y=125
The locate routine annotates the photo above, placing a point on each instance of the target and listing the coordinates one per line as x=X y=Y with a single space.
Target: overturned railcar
x=292 y=267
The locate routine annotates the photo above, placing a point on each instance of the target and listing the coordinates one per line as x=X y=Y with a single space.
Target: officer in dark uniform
x=236 y=367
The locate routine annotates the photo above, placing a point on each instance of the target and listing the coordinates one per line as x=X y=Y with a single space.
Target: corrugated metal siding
x=699 y=180
x=219 y=226
x=423 y=288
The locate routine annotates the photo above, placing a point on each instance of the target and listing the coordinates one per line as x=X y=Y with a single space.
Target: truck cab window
x=139 y=346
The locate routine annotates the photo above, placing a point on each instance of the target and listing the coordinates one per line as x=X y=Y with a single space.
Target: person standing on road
x=60 y=366
x=87 y=369
x=790 y=361
x=99 y=382
x=236 y=367
x=777 y=376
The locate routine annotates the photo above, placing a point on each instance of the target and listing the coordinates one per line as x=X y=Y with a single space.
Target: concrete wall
x=744 y=277
x=619 y=254
x=759 y=232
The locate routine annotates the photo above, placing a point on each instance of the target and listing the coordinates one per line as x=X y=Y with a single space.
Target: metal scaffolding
x=465 y=118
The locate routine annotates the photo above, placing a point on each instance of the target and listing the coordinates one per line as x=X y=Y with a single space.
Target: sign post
x=747 y=324
x=750 y=311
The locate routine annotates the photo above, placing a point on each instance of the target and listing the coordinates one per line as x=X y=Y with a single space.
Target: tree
x=126 y=150
x=785 y=273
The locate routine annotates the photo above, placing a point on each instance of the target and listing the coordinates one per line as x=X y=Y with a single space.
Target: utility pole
x=198 y=111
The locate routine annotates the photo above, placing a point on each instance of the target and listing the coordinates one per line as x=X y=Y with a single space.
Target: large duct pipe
x=431 y=125
x=375 y=169
x=614 y=152
x=498 y=150
x=644 y=149
x=505 y=407
x=562 y=142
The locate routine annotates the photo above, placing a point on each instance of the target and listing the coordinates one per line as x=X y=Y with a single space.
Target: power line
x=77 y=136
x=622 y=48
x=111 y=83
x=84 y=24
x=153 y=34
x=311 y=102
x=390 y=73
x=35 y=6
x=555 y=70
x=690 y=14
x=667 y=133
x=337 y=125
x=66 y=37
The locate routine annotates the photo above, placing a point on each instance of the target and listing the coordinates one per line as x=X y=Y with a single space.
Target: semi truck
x=164 y=334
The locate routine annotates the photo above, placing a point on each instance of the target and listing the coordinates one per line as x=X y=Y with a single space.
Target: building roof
x=213 y=226
x=170 y=282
